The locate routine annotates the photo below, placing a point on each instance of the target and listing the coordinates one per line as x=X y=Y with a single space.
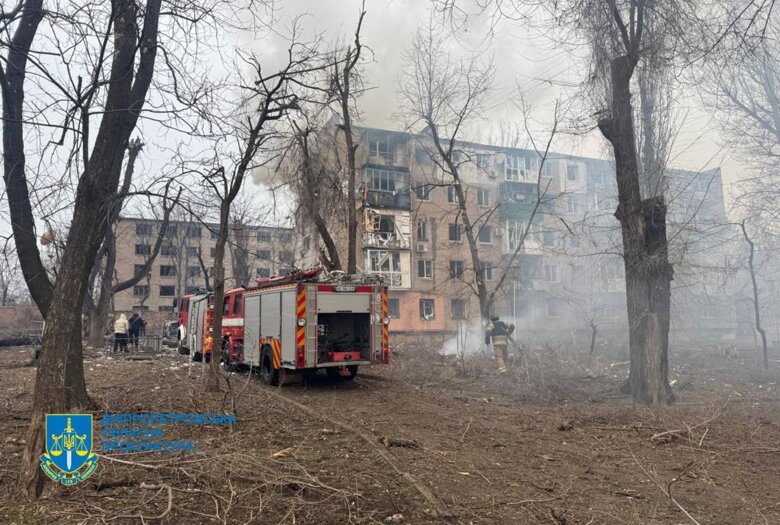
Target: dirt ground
x=426 y=439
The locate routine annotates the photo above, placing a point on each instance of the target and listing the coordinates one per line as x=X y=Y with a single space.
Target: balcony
x=386 y=240
x=385 y=199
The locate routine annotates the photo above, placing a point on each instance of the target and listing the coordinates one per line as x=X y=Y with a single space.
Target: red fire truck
x=300 y=322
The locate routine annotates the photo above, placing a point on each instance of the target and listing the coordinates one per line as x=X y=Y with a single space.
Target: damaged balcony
x=387 y=188
x=386 y=230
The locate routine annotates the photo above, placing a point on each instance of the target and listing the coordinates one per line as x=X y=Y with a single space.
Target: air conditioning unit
x=422 y=248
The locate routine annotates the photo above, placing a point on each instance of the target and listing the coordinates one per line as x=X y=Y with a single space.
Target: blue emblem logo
x=69 y=457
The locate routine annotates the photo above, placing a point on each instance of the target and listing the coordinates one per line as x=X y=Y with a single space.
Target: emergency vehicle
x=302 y=322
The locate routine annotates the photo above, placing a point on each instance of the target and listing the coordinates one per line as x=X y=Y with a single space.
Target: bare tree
x=98 y=310
x=446 y=96
x=268 y=98
x=347 y=84
x=754 y=287
x=99 y=94
x=11 y=280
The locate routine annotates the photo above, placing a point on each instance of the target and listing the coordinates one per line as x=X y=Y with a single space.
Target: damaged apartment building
x=567 y=275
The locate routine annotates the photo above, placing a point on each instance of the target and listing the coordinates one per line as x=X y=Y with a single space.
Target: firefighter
x=499 y=332
x=208 y=344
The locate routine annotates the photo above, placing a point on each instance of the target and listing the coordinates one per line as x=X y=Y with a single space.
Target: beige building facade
x=550 y=226
x=189 y=248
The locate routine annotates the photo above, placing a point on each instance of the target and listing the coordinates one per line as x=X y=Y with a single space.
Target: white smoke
x=469 y=340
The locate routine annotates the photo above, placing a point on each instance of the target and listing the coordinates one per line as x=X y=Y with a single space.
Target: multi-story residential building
x=189 y=248
x=549 y=225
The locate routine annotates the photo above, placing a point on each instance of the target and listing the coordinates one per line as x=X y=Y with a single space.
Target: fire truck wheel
x=197 y=357
x=183 y=350
x=268 y=373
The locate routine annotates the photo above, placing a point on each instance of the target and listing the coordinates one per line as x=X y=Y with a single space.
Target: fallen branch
x=424 y=491
x=668 y=489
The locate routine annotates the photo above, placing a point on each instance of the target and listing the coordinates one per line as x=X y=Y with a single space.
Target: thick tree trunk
x=18 y=194
x=59 y=383
x=647 y=267
x=333 y=260
x=212 y=383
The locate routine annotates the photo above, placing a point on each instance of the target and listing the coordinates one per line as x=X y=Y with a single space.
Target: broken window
x=167 y=250
x=140 y=291
x=514 y=165
x=193 y=271
x=422 y=230
x=143 y=249
x=387 y=264
x=167 y=270
x=382 y=148
x=264 y=272
x=458 y=309
x=423 y=192
x=456 y=269
x=427 y=309
x=387 y=180
x=393 y=308
x=143 y=229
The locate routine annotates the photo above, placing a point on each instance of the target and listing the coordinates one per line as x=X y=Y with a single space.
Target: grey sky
x=522 y=57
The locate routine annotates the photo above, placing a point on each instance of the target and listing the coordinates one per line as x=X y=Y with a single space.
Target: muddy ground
x=426 y=439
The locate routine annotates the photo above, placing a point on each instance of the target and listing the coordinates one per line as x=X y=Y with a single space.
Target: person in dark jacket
x=498 y=332
x=137 y=325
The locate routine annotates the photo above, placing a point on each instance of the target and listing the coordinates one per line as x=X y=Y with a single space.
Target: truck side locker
x=289 y=324
x=311 y=324
x=252 y=330
x=376 y=325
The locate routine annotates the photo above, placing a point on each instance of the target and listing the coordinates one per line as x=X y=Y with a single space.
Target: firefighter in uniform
x=498 y=331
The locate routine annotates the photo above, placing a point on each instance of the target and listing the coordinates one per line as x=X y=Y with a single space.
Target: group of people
x=127 y=332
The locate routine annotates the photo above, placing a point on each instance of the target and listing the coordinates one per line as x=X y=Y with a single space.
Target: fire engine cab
x=300 y=322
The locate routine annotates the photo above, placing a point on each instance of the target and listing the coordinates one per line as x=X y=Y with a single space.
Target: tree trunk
x=593 y=332
x=18 y=194
x=756 y=303
x=218 y=279
x=59 y=383
x=99 y=317
x=647 y=267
